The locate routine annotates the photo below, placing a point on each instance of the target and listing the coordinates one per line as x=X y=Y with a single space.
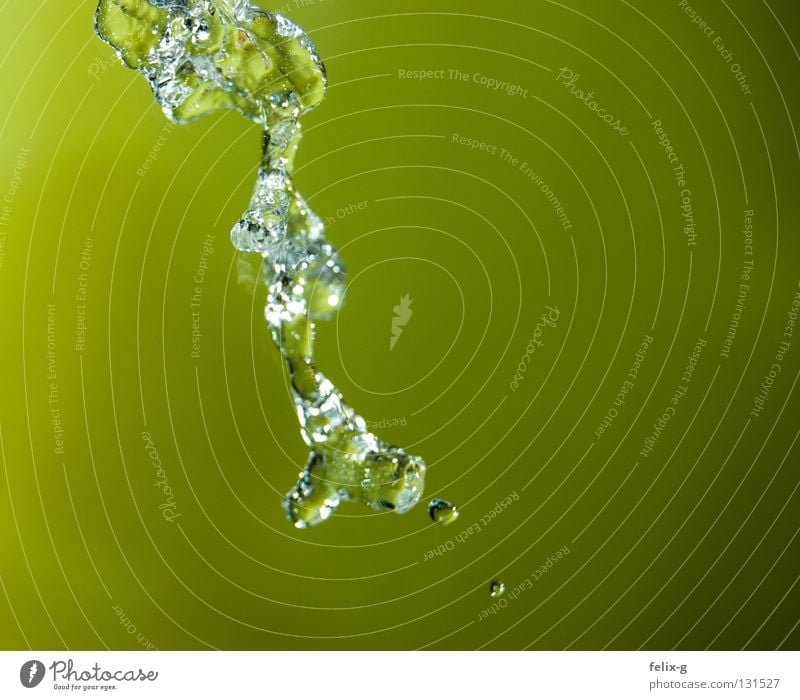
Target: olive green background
x=693 y=546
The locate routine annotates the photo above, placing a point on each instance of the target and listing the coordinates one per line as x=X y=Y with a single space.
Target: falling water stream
x=201 y=56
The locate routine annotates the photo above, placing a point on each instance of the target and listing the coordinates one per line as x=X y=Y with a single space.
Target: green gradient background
x=694 y=546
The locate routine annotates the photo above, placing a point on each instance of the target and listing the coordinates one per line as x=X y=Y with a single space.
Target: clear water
x=442 y=511
x=204 y=55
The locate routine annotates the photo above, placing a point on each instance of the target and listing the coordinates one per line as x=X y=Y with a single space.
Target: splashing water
x=201 y=56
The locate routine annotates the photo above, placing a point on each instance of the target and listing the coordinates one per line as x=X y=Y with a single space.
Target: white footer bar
x=400 y=675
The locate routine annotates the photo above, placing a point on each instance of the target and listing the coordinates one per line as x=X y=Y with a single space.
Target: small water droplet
x=442 y=511
x=496 y=589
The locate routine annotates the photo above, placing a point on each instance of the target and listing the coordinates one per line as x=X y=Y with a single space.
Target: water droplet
x=496 y=589
x=442 y=511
